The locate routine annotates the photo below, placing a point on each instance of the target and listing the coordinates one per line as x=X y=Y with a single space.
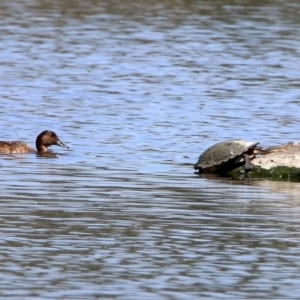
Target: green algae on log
x=279 y=173
x=283 y=164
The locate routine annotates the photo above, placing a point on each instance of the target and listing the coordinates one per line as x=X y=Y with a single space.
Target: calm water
x=138 y=91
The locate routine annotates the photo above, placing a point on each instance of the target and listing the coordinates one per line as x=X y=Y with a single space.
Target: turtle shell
x=223 y=152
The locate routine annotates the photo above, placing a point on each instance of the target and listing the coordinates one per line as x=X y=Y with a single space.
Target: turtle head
x=197 y=167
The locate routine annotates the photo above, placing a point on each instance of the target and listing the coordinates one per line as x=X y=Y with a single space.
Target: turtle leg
x=248 y=165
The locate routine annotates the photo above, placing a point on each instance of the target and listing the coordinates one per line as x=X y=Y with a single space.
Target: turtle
x=228 y=155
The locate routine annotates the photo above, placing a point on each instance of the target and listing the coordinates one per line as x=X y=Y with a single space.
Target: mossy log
x=276 y=173
x=280 y=165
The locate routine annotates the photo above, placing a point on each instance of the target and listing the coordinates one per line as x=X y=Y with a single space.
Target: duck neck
x=41 y=148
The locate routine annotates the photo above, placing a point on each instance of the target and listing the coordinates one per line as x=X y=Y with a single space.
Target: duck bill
x=61 y=144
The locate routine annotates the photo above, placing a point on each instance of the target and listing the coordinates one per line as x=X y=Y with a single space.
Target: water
x=137 y=91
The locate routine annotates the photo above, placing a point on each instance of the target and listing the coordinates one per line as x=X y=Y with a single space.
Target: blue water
x=138 y=91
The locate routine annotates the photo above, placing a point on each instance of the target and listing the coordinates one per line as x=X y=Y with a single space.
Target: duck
x=44 y=140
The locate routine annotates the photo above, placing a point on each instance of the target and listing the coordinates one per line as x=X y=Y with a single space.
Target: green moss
x=276 y=173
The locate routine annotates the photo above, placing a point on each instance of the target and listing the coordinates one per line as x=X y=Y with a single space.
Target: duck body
x=15 y=147
x=44 y=140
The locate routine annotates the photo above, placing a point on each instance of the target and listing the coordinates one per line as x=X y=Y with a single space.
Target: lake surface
x=138 y=90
